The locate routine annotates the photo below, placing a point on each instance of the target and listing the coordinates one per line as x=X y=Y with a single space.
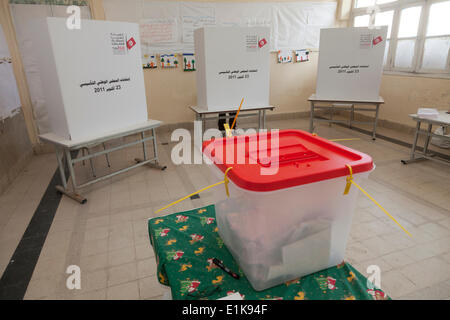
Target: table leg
x=71 y=194
x=106 y=155
x=198 y=118
x=155 y=145
x=71 y=170
x=204 y=124
x=259 y=120
x=59 y=157
x=331 y=115
x=416 y=137
x=414 y=145
x=144 y=147
x=155 y=165
x=311 y=118
x=428 y=138
x=264 y=119
x=374 y=133
x=352 y=116
x=91 y=163
x=83 y=153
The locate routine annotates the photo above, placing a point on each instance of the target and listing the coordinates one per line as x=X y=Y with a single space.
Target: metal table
x=203 y=115
x=443 y=119
x=64 y=147
x=349 y=105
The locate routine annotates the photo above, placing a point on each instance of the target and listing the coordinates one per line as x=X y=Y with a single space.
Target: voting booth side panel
x=100 y=76
x=235 y=62
x=350 y=63
x=45 y=59
x=199 y=38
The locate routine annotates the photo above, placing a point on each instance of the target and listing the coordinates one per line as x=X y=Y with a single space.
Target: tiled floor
x=107 y=237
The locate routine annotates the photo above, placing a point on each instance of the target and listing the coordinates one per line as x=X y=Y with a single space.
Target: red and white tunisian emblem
x=262 y=42
x=377 y=40
x=131 y=43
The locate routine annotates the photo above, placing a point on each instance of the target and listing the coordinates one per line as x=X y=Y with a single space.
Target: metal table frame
x=442 y=120
x=203 y=115
x=348 y=105
x=63 y=150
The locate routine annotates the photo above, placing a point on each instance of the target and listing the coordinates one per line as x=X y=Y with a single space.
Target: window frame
x=417 y=61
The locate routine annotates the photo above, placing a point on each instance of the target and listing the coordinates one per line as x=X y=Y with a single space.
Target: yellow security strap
x=349 y=180
x=228 y=132
x=347 y=189
x=224 y=181
x=237 y=114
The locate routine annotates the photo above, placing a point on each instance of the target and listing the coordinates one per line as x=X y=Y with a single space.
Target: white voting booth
x=92 y=77
x=349 y=73
x=94 y=92
x=350 y=63
x=232 y=63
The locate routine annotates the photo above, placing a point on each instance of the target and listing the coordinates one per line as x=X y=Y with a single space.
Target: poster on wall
x=169 y=60
x=297 y=24
x=301 y=55
x=284 y=56
x=293 y=24
x=194 y=16
x=158 y=30
x=188 y=62
x=350 y=63
x=149 y=61
x=9 y=95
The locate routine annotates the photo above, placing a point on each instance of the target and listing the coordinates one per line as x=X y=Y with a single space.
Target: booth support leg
x=264 y=119
x=155 y=165
x=60 y=157
x=63 y=189
x=428 y=138
x=414 y=145
x=374 y=133
x=144 y=147
x=311 y=118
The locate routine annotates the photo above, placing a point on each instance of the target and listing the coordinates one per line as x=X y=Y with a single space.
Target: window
x=385 y=18
x=368 y=3
x=418 y=39
x=362 y=21
x=437 y=38
x=407 y=37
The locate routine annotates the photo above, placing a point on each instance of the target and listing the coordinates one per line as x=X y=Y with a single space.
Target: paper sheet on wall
x=149 y=60
x=169 y=60
x=301 y=55
x=156 y=31
x=9 y=95
x=196 y=17
x=246 y=15
x=297 y=25
x=284 y=56
x=294 y=25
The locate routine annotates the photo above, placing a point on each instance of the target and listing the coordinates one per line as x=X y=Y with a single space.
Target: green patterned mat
x=185 y=242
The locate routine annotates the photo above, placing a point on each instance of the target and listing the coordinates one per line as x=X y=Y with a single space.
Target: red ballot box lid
x=302 y=158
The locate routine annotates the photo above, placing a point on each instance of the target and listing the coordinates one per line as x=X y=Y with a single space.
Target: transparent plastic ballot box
x=286 y=215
